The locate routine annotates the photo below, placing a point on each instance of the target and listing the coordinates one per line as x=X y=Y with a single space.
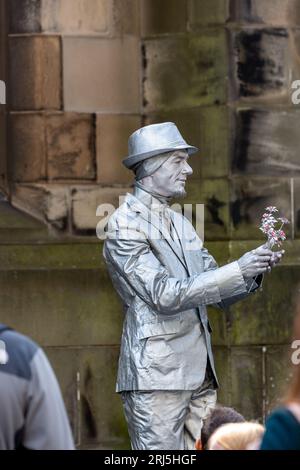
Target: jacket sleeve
x=251 y=284
x=131 y=256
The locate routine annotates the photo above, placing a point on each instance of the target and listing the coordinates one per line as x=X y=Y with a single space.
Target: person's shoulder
x=20 y=350
x=282 y=414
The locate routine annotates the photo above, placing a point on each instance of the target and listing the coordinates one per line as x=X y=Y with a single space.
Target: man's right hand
x=255 y=262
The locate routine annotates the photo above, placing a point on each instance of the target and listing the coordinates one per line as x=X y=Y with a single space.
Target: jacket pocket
x=157 y=338
x=157 y=329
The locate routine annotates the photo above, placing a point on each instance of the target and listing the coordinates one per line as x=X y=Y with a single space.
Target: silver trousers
x=167 y=419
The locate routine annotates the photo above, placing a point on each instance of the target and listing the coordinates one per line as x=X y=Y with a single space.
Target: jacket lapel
x=153 y=219
x=184 y=239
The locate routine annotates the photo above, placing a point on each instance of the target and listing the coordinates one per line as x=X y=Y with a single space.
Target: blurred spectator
x=236 y=436
x=32 y=412
x=283 y=425
x=218 y=416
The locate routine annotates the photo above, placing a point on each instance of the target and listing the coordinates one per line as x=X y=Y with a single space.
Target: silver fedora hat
x=155 y=139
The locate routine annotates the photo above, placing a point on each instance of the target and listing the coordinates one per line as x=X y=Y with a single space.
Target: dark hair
x=218 y=416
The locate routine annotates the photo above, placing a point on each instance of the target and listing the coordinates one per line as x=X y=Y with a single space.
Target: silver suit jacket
x=165 y=288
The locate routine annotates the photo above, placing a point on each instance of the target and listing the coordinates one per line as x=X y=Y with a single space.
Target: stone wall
x=96 y=71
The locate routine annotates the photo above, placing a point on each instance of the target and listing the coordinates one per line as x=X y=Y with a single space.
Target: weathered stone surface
x=218 y=322
x=278 y=373
x=214 y=194
x=66 y=365
x=265 y=317
x=27 y=146
x=222 y=365
x=86 y=200
x=101 y=407
x=185 y=71
x=112 y=136
x=277 y=12
x=25 y=16
x=67 y=307
x=76 y=16
x=169 y=16
x=106 y=78
x=246 y=380
x=207 y=12
x=80 y=17
x=48 y=203
x=70 y=146
x=125 y=17
x=207 y=128
x=49 y=256
x=40 y=87
x=267 y=142
x=250 y=197
x=261 y=61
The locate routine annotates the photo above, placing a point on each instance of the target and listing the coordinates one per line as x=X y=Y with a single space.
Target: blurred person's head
x=218 y=416
x=293 y=393
x=236 y=436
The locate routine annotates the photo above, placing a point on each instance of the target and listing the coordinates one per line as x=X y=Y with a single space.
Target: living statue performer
x=166 y=278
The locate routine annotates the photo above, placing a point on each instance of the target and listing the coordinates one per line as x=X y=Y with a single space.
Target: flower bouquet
x=274 y=235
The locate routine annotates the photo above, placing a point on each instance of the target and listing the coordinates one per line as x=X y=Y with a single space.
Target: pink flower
x=271 y=209
x=268 y=226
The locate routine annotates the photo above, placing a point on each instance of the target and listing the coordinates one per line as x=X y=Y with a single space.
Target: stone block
x=267 y=142
x=86 y=200
x=70 y=146
x=278 y=374
x=76 y=16
x=37 y=60
x=113 y=131
x=169 y=16
x=206 y=128
x=250 y=197
x=66 y=365
x=186 y=71
x=207 y=12
x=66 y=307
x=27 y=147
x=214 y=194
x=105 y=79
x=125 y=17
x=261 y=61
x=25 y=16
x=277 y=12
x=222 y=366
x=48 y=203
x=246 y=379
x=266 y=316
x=102 y=416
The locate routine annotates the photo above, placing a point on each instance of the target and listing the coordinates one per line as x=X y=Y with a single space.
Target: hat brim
x=131 y=160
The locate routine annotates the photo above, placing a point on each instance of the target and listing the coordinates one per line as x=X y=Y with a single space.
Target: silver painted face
x=169 y=180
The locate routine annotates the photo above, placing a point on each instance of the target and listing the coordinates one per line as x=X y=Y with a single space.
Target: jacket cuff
x=230 y=280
